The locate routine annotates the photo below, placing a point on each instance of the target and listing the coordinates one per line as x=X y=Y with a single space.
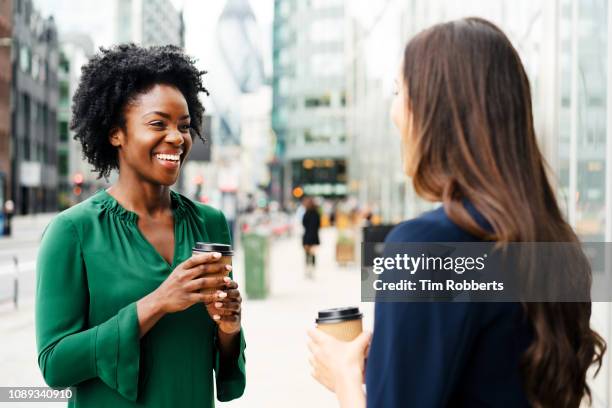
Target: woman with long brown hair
x=464 y=112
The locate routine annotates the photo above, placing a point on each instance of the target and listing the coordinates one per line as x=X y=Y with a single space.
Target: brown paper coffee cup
x=225 y=250
x=344 y=323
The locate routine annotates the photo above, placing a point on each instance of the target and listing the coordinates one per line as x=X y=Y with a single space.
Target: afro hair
x=116 y=76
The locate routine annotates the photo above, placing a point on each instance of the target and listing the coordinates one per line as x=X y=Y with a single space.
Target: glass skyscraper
x=309 y=98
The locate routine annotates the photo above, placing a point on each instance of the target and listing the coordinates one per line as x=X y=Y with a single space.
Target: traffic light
x=77 y=181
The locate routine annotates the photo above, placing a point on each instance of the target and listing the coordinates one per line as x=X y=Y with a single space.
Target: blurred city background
x=300 y=92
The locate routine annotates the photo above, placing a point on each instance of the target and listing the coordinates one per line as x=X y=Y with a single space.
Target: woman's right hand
x=196 y=280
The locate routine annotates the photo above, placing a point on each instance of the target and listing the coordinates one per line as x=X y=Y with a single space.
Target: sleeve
x=230 y=374
x=69 y=351
x=419 y=349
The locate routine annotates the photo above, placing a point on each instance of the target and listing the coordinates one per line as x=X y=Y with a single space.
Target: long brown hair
x=473 y=138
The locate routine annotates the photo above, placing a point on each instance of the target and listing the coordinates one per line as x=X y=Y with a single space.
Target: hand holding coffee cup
x=227 y=306
x=338 y=347
x=198 y=279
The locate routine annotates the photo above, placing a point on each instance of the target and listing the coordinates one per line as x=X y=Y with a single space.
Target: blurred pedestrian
x=9 y=211
x=464 y=114
x=125 y=313
x=332 y=214
x=310 y=240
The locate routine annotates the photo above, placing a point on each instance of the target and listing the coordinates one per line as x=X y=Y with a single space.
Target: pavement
x=278 y=373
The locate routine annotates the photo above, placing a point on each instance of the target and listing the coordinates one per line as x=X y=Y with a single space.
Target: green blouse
x=93 y=265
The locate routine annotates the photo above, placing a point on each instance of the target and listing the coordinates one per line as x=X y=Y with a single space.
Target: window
x=317 y=101
x=64 y=64
x=24 y=59
x=327 y=30
x=284 y=86
x=35 y=66
x=326 y=64
x=63 y=131
x=62 y=167
x=64 y=94
x=284 y=9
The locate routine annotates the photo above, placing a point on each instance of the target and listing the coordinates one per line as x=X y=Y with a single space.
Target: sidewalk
x=278 y=373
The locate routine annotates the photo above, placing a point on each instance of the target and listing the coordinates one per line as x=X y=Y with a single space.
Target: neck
x=141 y=197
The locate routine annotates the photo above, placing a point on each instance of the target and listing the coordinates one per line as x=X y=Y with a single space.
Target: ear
x=116 y=136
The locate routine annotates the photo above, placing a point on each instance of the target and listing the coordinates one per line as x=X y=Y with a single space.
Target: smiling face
x=155 y=140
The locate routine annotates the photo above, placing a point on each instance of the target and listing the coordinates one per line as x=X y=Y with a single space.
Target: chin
x=169 y=182
x=165 y=180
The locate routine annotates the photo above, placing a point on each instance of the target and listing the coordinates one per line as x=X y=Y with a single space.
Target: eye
x=185 y=127
x=157 y=124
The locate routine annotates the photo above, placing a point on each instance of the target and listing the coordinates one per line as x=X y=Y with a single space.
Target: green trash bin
x=256 y=264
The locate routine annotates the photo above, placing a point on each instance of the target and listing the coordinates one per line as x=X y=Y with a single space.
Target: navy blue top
x=437 y=354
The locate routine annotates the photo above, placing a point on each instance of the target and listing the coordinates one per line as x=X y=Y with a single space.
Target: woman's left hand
x=227 y=308
x=338 y=363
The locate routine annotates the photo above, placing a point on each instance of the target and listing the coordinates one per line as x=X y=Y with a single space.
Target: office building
x=149 y=22
x=309 y=98
x=34 y=96
x=75 y=177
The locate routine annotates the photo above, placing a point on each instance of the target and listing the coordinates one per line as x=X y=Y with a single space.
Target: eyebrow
x=164 y=115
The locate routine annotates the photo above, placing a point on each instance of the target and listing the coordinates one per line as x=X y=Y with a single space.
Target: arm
x=149 y=312
x=339 y=366
x=229 y=346
x=349 y=392
x=69 y=351
x=230 y=359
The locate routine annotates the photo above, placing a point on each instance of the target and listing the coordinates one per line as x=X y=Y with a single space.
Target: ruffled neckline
x=112 y=207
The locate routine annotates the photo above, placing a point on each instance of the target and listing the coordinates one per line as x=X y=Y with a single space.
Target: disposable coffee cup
x=344 y=323
x=225 y=250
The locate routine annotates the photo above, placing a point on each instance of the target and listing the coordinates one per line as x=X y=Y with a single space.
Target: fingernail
x=216 y=255
x=218 y=305
x=227 y=279
x=228 y=267
x=221 y=294
x=216 y=317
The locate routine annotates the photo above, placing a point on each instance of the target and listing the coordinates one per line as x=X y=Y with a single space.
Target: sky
x=96 y=18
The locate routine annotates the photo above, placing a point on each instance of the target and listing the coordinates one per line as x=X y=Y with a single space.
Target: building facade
x=5 y=98
x=75 y=178
x=34 y=96
x=309 y=98
x=257 y=140
x=149 y=22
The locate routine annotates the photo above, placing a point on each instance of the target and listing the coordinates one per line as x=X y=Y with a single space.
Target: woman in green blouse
x=124 y=313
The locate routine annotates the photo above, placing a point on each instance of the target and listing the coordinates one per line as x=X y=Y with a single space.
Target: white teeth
x=172 y=157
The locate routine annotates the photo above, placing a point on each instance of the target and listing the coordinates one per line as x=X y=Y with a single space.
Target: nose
x=175 y=137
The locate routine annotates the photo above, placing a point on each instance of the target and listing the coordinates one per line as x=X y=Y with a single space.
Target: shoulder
x=74 y=219
x=430 y=226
